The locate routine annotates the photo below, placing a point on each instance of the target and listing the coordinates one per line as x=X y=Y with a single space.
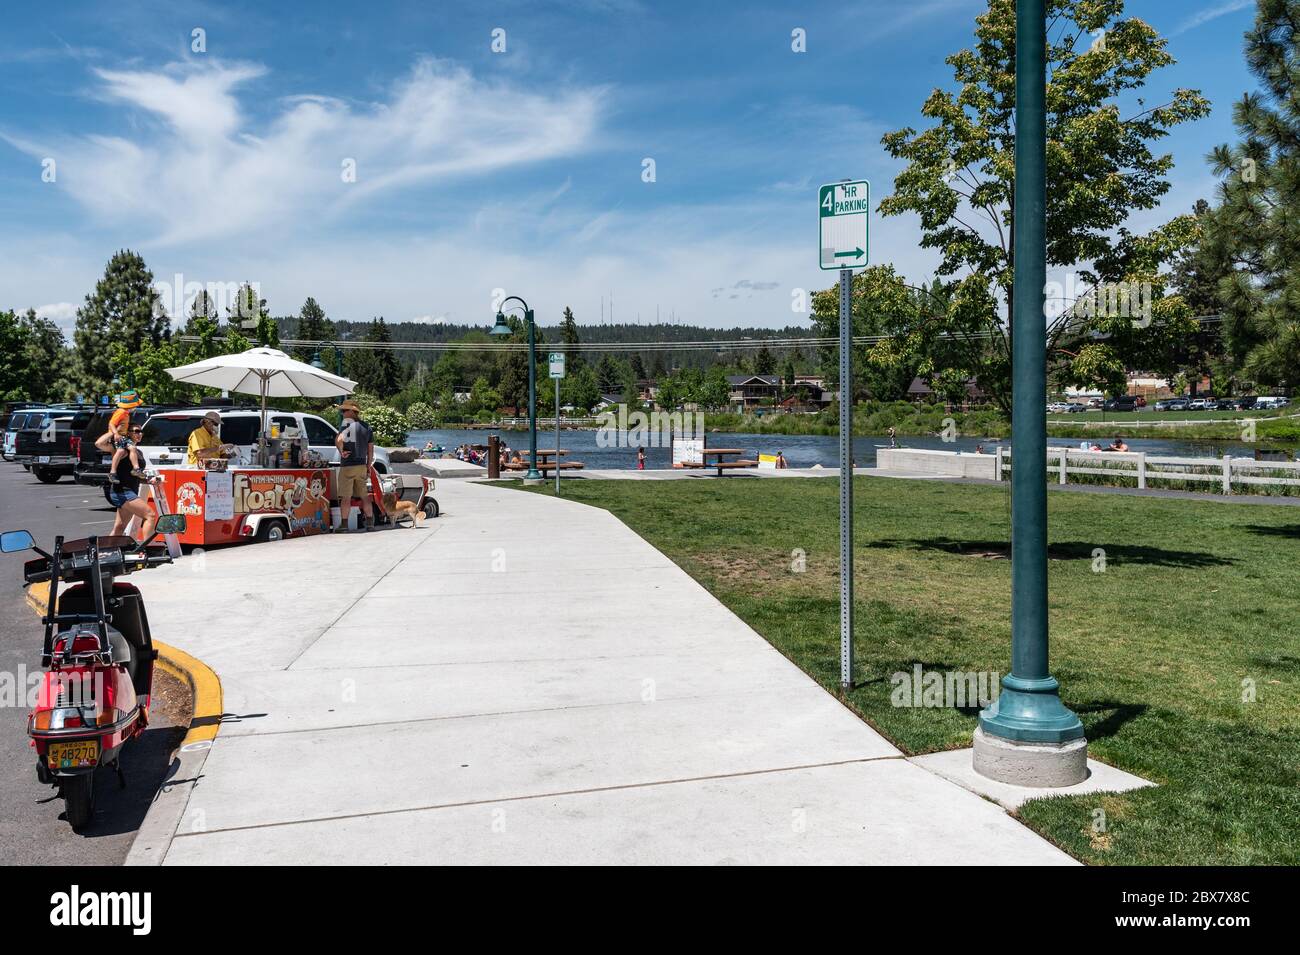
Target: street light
x=1027 y=736
x=503 y=328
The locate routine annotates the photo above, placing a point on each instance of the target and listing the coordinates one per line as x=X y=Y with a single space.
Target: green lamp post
x=1028 y=736
x=502 y=328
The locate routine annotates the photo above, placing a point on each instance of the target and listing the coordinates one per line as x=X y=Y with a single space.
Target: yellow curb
x=205 y=687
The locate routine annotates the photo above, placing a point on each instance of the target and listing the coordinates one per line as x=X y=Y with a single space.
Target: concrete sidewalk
x=524 y=680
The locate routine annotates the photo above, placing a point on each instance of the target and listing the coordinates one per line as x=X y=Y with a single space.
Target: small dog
x=402 y=512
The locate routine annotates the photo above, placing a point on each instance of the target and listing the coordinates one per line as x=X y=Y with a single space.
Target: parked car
x=167 y=434
x=1202 y=404
x=1075 y=407
x=46 y=446
x=1245 y=403
x=1095 y=402
x=15 y=422
x=1226 y=404
x=1058 y=407
x=92 y=463
x=1121 y=403
x=1271 y=402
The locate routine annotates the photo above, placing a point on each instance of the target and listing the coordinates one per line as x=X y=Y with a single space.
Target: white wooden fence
x=1144 y=469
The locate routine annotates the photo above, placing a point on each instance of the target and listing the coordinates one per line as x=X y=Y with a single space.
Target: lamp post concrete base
x=535 y=480
x=1030 y=764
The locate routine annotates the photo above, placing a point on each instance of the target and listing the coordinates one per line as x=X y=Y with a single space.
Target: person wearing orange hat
x=118 y=437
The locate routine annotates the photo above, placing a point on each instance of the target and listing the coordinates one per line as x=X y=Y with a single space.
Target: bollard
x=494 y=457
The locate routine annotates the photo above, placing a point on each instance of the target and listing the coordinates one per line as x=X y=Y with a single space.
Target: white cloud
x=63 y=314
x=202 y=169
x=1211 y=13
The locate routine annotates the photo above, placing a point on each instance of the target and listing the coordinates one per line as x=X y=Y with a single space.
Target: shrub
x=388 y=424
x=421 y=417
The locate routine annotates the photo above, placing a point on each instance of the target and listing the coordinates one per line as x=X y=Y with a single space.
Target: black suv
x=1122 y=403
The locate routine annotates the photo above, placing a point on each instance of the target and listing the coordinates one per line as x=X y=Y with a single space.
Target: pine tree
x=202 y=310
x=1253 y=233
x=764 y=362
x=313 y=326
x=376 y=369
x=122 y=310
x=1195 y=275
x=569 y=336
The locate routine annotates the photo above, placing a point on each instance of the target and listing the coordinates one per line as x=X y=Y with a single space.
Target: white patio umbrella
x=268 y=372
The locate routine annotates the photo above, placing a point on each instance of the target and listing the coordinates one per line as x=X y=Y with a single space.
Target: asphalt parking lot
x=32 y=828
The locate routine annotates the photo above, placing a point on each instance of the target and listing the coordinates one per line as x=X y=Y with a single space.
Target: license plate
x=42 y=459
x=84 y=752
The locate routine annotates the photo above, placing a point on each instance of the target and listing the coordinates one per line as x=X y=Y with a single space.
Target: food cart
x=252 y=503
x=286 y=491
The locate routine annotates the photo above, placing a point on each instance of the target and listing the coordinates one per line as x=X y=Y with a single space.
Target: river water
x=801 y=451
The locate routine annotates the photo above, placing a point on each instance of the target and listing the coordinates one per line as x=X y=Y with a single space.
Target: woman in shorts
x=125 y=495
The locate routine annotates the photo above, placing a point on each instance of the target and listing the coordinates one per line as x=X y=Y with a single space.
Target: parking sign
x=843 y=208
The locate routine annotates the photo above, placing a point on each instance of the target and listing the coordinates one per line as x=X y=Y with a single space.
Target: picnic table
x=546 y=461
x=721 y=463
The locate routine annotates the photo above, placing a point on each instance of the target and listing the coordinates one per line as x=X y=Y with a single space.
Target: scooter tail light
x=59 y=718
x=107 y=717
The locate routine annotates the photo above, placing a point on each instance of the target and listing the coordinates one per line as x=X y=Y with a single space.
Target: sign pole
x=556 y=363
x=557 y=437
x=846 y=482
x=843 y=229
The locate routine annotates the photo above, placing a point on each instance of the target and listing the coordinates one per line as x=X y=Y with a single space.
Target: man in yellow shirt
x=204 y=442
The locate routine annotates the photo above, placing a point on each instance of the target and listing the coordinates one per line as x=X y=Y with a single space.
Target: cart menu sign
x=219 y=498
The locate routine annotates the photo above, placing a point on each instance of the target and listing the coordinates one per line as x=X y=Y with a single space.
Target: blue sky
x=477 y=170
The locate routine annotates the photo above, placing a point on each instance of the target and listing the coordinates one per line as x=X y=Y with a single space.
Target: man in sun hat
x=117 y=438
x=356 y=444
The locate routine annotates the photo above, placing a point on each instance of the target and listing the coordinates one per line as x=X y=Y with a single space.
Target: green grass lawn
x=1151 y=652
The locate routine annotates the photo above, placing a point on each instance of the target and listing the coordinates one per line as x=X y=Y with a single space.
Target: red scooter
x=99 y=658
